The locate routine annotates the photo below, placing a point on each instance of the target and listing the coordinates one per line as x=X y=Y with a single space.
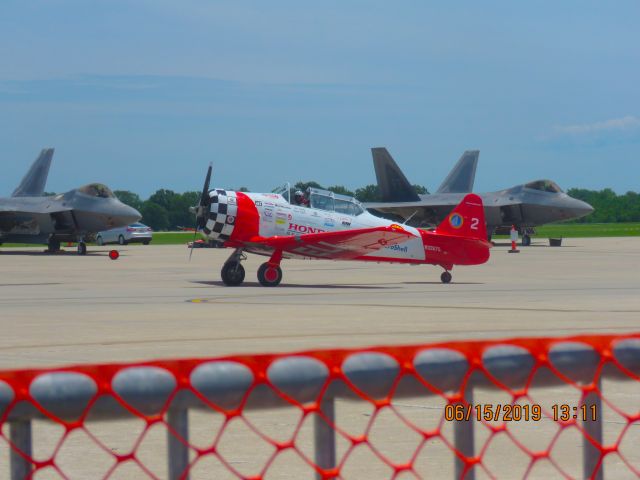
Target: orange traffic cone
x=514 y=240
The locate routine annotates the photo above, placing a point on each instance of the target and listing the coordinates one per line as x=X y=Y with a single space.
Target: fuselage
x=248 y=217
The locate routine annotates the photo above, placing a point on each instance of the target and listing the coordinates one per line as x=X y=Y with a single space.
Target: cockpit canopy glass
x=544 y=186
x=97 y=190
x=333 y=202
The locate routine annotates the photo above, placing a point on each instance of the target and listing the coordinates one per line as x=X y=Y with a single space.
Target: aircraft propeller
x=201 y=210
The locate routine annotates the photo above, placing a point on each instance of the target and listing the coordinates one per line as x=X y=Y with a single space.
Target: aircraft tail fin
x=392 y=183
x=462 y=175
x=32 y=184
x=466 y=220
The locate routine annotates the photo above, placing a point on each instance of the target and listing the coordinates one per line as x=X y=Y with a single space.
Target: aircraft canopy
x=544 y=186
x=97 y=190
x=333 y=202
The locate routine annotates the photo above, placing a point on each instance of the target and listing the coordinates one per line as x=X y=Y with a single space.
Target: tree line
x=168 y=210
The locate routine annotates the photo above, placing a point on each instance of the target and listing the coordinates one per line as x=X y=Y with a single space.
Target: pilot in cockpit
x=300 y=199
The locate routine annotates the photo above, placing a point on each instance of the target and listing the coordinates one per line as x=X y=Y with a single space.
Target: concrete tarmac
x=153 y=303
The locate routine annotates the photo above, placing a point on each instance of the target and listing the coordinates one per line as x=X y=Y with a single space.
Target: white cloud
x=627 y=123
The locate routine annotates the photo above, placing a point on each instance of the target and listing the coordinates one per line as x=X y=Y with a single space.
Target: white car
x=136 y=232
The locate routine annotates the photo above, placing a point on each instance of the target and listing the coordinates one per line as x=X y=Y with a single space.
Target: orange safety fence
x=529 y=407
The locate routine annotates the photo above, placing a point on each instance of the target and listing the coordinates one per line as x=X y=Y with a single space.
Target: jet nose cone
x=129 y=214
x=582 y=208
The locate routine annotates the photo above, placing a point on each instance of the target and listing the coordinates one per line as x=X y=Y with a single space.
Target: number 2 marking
x=474 y=224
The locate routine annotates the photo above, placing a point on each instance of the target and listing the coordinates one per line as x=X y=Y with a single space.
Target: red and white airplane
x=332 y=226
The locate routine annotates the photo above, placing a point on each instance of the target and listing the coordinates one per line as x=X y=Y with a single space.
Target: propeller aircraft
x=332 y=226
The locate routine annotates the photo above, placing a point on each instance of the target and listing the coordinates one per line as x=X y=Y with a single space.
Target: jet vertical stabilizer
x=32 y=185
x=393 y=185
x=462 y=175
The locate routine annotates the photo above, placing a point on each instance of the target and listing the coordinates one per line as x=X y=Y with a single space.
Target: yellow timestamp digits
x=563 y=412
x=490 y=412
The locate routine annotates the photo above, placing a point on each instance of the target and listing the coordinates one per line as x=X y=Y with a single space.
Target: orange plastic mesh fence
x=550 y=407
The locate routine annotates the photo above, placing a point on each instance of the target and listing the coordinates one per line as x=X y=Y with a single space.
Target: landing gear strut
x=82 y=248
x=232 y=271
x=446 y=277
x=53 y=246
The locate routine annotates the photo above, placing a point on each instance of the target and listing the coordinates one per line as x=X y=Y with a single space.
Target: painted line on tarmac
x=222 y=301
x=353 y=334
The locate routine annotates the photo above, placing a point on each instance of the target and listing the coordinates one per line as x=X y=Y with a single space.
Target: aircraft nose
x=581 y=208
x=129 y=214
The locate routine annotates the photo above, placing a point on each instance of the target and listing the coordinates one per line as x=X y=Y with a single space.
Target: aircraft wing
x=343 y=245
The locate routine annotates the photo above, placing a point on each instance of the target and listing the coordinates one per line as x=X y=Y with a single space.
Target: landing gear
x=446 y=277
x=82 y=248
x=526 y=240
x=269 y=275
x=121 y=240
x=232 y=274
x=53 y=246
x=232 y=271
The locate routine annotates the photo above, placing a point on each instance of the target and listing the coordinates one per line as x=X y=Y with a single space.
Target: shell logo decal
x=456 y=220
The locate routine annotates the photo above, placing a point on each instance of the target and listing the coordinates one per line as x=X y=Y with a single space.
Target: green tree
x=154 y=215
x=341 y=190
x=421 y=189
x=129 y=198
x=369 y=193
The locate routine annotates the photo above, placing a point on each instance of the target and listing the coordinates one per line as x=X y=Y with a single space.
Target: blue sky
x=144 y=94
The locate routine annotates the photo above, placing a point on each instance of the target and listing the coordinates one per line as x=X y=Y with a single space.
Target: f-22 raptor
x=29 y=216
x=523 y=206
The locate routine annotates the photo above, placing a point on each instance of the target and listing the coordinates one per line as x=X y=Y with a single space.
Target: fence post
x=463 y=438
x=593 y=427
x=178 y=420
x=325 y=436
x=20 y=436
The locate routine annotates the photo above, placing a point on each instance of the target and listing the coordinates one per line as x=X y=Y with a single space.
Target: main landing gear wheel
x=232 y=274
x=82 y=248
x=445 y=277
x=269 y=275
x=526 y=240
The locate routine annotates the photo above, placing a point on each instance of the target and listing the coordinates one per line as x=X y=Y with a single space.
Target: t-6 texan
x=525 y=206
x=329 y=226
x=30 y=217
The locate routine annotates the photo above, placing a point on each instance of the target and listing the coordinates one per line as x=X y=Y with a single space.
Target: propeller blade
x=195 y=232
x=205 y=189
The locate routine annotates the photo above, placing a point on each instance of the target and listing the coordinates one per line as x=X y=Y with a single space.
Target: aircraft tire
x=99 y=240
x=269 y=276
x=446 y=277
x=232 y=274
x=526 y=240
x=82 y=248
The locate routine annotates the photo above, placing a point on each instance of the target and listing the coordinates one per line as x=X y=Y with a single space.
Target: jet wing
x=343 y=245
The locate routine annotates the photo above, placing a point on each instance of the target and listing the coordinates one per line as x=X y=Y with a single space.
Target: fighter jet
x=523 y=206
x=30 y=217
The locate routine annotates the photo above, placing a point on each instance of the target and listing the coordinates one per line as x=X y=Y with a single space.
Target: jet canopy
x=97 y=190
x=544 y=186
x=333 y=202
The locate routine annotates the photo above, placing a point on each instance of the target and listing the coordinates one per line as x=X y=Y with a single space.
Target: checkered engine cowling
x=222 y=214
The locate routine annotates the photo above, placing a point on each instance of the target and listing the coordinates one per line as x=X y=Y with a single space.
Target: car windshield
x=544 y=186
x=97 y=190
x=333 y=202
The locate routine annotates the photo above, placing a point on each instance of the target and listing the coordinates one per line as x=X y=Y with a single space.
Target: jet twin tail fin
x=392 y=183
x=32 y=185
x=462 y=175
x=466 y=220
